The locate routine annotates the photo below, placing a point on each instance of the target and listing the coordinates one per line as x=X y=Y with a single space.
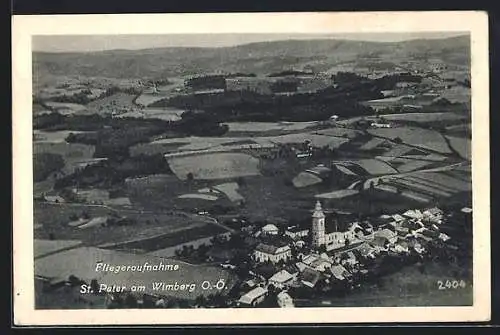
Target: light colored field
x=372 y=144
x=410 y=164
x=374 y=167
x=54 y=136
x=461 y=145
x=65 y=106
x=337 y=194
x=425 y=117
x=147 y=99
x=423 y=138
x=198 y=196
x=215 y=166
x=317 y=141
x=268 y=126
x=151 y=113
x=230 y=190
x=305 y=179
x=339 y=132
x=457 y=94
x=437 y=178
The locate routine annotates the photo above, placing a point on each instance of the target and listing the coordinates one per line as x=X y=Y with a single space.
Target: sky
x=82 y=43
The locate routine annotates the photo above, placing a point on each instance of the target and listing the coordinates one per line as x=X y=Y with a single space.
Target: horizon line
x=42 y=44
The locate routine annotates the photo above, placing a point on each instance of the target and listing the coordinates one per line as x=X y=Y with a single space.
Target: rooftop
x=249 y=297
x=281 y=276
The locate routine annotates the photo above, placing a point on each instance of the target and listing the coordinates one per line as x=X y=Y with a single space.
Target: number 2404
x=451 y=284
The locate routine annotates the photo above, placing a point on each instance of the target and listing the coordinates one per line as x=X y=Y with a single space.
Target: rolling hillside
x=260 y=58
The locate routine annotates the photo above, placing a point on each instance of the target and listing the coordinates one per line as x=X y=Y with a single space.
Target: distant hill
x=260 y=58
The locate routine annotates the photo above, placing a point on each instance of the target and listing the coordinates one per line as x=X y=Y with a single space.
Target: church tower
x=318 y=226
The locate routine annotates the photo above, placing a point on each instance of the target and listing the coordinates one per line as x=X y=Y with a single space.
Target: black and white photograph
x=253 y=170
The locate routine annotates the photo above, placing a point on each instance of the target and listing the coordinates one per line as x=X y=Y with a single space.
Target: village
x=292 y=185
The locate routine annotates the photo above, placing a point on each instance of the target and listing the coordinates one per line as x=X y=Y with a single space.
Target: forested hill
x=260 y=58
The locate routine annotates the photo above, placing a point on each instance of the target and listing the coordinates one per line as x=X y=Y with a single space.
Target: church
x=332 y=240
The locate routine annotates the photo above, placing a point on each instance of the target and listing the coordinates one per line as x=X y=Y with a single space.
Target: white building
x=284 y=300
x=254 y=297
x=270 y=229
x=268 y=252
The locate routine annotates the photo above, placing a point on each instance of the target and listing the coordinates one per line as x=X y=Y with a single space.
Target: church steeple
x=318 y=226
x=318 y=211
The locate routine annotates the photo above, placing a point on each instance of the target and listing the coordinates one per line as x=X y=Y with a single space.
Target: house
x=348 y=258
x=443 y=237
x=270 y=229
x=365 y=250
x=300 y=244
x=379 y=243
x=317 y=262
x=293 y=270
x=301 y=266
x=466 y=210
x=401 y=246
x=413 y=214
x=274 y=253
x=339 y=272
x=309 y=277
x=254 y=297
x=284 y=300
x=398 y=218
x=296 y=233
x=250 y=283
x=415 y=245
x=387 y=234
x=281 y=279
x=380 y=125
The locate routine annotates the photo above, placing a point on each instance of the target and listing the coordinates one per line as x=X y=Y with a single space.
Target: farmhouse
x=281 y=279
x=274 y=253
x=339 y=272
x=310 y=277
x=270 y=229
x=284 y=300
x=254 y=297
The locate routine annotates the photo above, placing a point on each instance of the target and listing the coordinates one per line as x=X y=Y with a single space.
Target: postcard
x=251 y=168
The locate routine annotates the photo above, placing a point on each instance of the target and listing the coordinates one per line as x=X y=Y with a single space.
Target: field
x=425 y=117
x=116 y=103
x=54 y=136
x=429 y=185
x=305 y=179
x=317 y=141
x=55 y=219
x=461 y=145
x=66 y=107
x=268 y=126
x=418 y=137
x=337 y=194
x=171 y=114
x=147 y=99
x=408 y=287
x=215 y=166
x=371 y=167
x=72 y=153
x=230 y=190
